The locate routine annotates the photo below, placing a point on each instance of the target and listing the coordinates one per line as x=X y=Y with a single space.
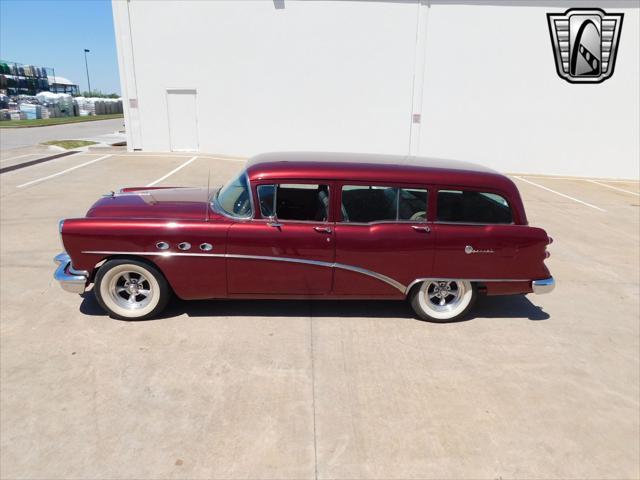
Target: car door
x=288 y=248
x=383 y=239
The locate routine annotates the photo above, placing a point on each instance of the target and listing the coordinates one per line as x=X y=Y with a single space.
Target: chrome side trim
x=363 y=271
x=545 y=285
x=383 y=278
x=373 y=274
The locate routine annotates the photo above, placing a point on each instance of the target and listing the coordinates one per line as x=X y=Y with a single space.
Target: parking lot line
x=558 y=193
x=580 y=179
x=178 y=168
x=38 y=180
x=615 y=188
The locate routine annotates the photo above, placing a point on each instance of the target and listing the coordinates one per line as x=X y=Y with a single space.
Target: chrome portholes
x=206 y=247
x=162 y=246
x=184 y=246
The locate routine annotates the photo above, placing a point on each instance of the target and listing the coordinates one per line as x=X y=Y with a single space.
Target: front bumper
x=70 y=279
x=543 y=286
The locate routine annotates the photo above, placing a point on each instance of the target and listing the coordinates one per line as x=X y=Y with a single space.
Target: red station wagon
x=312 y=225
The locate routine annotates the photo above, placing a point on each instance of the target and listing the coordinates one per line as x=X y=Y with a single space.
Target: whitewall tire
x=443 y=300
x=131 y=290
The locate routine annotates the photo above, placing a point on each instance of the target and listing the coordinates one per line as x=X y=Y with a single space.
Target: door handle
x=421 y=228
x=322 y=229
x=273 y=222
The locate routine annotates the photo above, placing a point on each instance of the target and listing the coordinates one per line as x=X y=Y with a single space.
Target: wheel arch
x=479 y=286
x=137 y=258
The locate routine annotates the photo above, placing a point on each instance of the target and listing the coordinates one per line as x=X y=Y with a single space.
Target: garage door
x=183 y=122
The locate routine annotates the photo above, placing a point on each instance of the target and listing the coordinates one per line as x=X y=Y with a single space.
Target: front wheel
x=131 y=290
x=443 y=301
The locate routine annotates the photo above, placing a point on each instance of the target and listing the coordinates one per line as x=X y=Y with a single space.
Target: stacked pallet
x=31 y=111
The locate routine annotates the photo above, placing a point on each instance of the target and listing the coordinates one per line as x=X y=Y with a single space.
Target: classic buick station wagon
x=311 y=225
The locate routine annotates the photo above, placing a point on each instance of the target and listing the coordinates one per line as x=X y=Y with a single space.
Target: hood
x=164 y=203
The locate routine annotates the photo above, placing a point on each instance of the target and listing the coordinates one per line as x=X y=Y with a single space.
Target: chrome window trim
x=382 y=222
x=379 y=276
x=477 y=224
x=280 y=220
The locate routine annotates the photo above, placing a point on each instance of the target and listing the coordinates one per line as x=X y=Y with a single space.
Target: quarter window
x=369 y=203
x=305 y=202
x=472 y=207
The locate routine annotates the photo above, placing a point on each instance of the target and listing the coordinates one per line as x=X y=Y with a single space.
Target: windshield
x=234 y=198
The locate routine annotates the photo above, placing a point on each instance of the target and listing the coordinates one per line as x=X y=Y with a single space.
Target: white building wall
x=348 y=75
x=492 y=94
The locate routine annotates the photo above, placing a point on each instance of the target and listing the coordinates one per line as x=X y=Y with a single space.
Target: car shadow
x=513 y=306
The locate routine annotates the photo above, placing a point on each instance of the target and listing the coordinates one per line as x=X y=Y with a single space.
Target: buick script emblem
x=585 y=43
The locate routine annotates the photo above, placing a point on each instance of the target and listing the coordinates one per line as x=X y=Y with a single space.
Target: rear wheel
x=443 y=300
x=131 y=290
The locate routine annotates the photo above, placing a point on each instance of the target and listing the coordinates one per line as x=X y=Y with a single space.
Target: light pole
x=86 y=65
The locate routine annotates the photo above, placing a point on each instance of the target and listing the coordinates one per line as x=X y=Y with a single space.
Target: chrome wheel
x=443 y=295
x=131 y=290
x=443 y=300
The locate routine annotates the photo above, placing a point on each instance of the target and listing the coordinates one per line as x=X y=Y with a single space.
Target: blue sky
x=52 y=33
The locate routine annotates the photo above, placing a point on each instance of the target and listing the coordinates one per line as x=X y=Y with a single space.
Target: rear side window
x=472 y=207
x=306 y=202
x=372 y=203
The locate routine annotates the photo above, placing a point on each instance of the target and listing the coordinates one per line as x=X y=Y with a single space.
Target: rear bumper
x=543 y=286
x=70 y=279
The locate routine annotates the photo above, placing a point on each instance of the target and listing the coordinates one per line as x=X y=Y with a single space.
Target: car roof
x=373 y=168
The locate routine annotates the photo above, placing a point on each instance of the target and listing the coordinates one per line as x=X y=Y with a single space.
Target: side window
x=306 y=202
x=412 y=204
x=367 y=203
x=364 y=204
x=472 y=207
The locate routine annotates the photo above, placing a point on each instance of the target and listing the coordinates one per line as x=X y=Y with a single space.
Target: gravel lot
x=535 y=387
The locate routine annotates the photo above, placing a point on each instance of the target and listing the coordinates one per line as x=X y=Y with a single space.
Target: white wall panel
x=492 y=95
x=312 y=75
x=339 y=76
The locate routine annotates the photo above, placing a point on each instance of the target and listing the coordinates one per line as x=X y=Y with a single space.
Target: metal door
x=285 y=258
x=183 y=122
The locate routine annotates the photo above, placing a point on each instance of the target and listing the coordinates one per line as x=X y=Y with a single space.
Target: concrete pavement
x=13 y=138
x=530 y=387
